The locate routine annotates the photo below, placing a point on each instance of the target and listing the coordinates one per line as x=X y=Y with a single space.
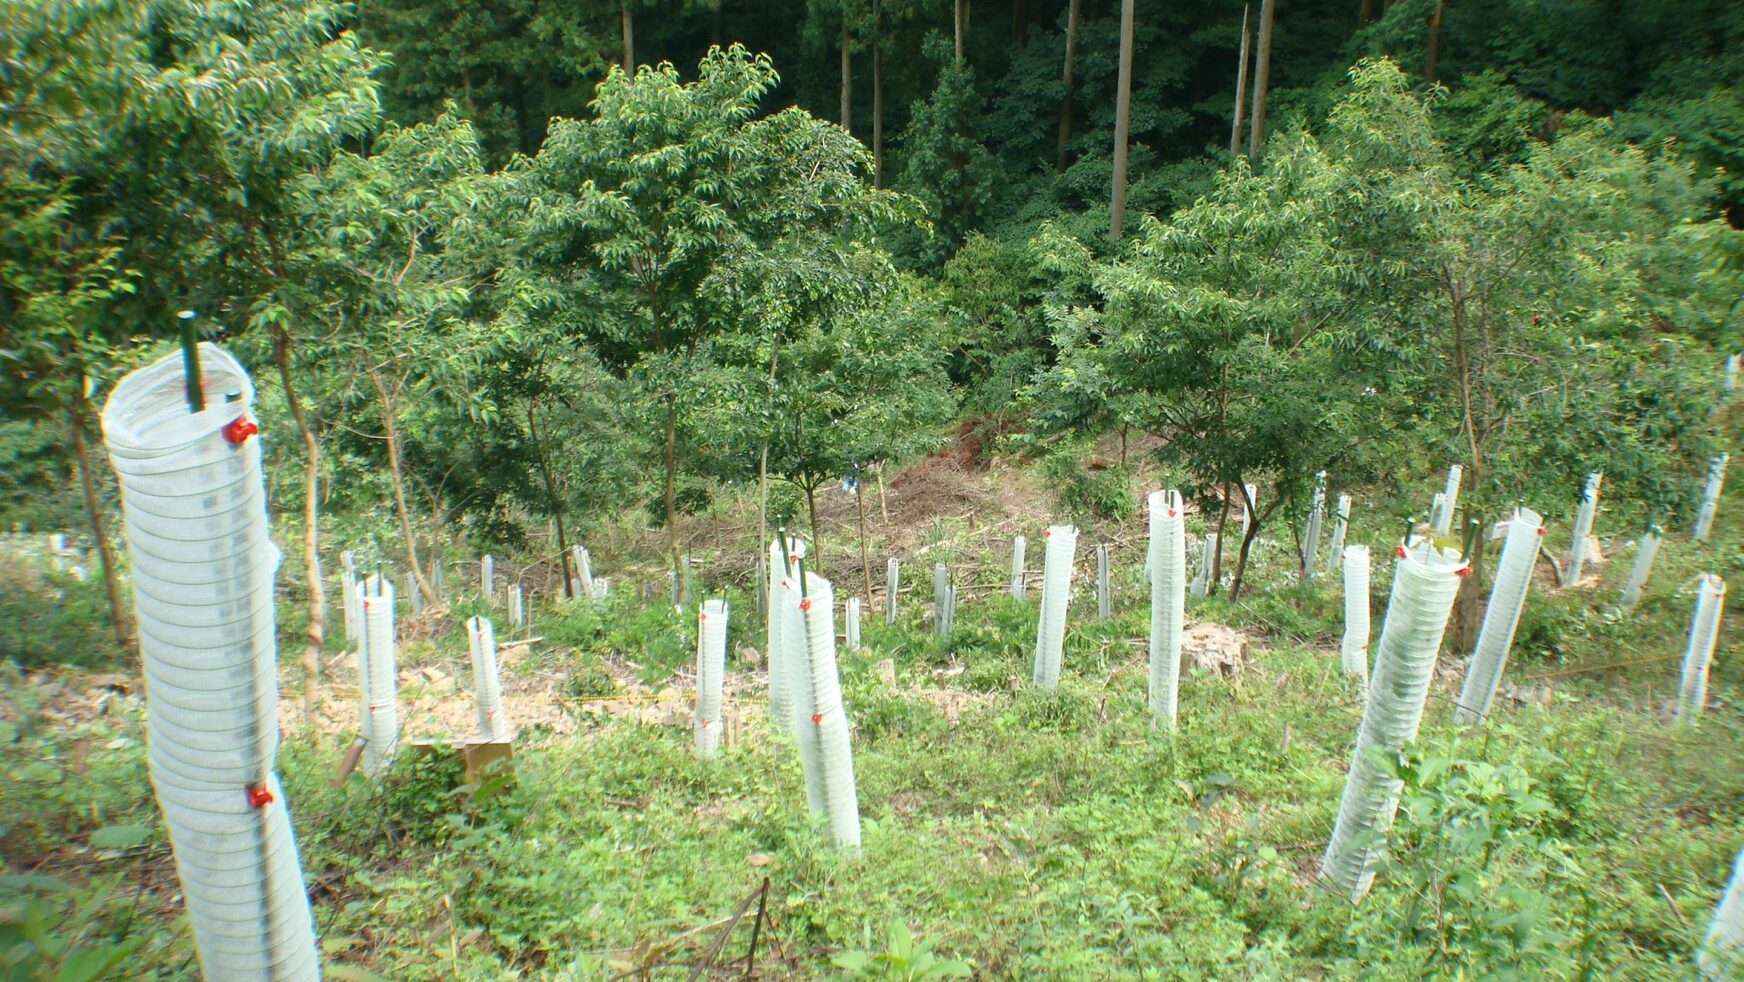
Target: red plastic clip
x=1171 y=513
x=1399 y=551
x=817 y=717
x=1462 y=571
x=1047 y=532
x=704 y=724
x=259 y=796
x=805 y=604
x=239 y=429
x=1540 y=530
x=701 y=616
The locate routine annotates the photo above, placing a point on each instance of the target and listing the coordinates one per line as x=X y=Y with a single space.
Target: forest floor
x=1574 y=834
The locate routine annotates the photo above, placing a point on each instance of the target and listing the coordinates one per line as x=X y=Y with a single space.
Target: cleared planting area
x=1027 y=833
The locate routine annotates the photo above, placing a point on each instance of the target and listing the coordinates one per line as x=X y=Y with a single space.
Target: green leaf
x=120 y=837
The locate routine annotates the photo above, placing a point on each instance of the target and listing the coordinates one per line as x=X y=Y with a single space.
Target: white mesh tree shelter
x=1501 y=616
x=1168 y=575
x=1340 y=526
x=1645 y=551
x=487 y=690
x=1424 y=586
x=1062 y=545
x=782 y=566
x=1353 y=649
x=1311 y=534
x=1698 y=651
x=1711 y=497
x=941 y=599
x=711 y=666
x=827 y=724
x=1449 y=499
x=194 y=506
x=1017 y=548
x=892 y=582
x=1721 y=955
x=796 y=667
x=1583 y=527
x=378 y=677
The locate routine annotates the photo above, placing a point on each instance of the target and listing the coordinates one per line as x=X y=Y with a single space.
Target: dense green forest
x=671 y=279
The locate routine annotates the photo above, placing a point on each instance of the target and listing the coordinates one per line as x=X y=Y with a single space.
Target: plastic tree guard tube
x=711 y=666
x=1168 y=561
x=1501 y=616
x=1056 y=592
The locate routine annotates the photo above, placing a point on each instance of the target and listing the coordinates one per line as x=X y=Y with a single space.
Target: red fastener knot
x=1399 y=551
x=239 y=429
x=805 y=604
x=1171 y=513
x=1541 y=530
x=259 y=796
x=817 y=717
x=1047 y=532
x=1462 y=571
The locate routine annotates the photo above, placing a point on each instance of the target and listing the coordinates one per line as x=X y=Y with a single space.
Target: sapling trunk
x=1168 y=574
x=1422 y=597
x=316 y=636
x=94 y=515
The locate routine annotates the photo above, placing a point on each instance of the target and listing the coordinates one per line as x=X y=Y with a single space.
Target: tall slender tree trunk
x=1432 y=48
x=316 y=638
x=94 y=514
x=1122 y=121
x=1247 y=539
x=391 y=430
x=877 y=112
x=627 y=26
x=847 y=81
x=1073 y=12
x=1256 y=137
x=1240 y=88
x=1019 y=21
x=1217 y=553
x=865 y=562
x=1365 y=12
x=763 y=496
x=959 y=26
x=551 y=495
x=1468 y=603
x=817 y=531
x=672 y=483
